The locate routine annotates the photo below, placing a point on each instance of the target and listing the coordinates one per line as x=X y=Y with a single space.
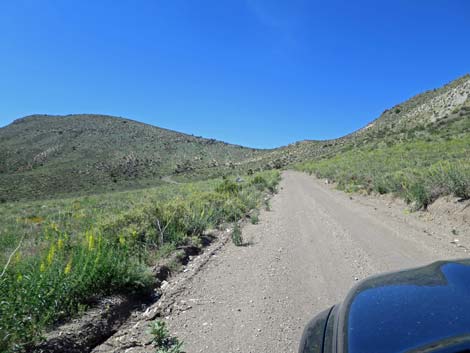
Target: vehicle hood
x=421 y=309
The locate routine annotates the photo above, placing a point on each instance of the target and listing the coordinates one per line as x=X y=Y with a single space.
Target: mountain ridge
x=49 y=155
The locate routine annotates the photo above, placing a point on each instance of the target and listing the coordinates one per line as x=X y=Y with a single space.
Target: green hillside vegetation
x=89 y=202
x=415 y=171
x=423 y=117
x=54 y=156
x=73 y=250
x=439 y=112
x=419 y=164
x=57 y=156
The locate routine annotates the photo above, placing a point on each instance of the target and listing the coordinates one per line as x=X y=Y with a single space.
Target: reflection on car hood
x=414 y=310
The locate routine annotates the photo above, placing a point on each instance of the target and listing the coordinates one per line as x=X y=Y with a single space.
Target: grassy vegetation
x=237 y=235
x=419 y=171
x=162 y=341
x=45 y=156
x=435 y=113
x=60 y=255
x=418 y=150
x=254 y=219
x=49 y=156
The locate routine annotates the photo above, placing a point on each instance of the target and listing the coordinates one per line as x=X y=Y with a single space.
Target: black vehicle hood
x=414 y=310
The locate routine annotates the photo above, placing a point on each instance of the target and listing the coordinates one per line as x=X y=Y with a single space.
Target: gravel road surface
x=303 y=256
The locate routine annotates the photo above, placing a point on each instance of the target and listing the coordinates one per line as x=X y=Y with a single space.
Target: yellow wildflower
x=68 y=267
x=122 y=240
x=91 y=241
x=54 y=227
x=50 y=255
x=19 y=278
x=60 y=243
x=42 y=267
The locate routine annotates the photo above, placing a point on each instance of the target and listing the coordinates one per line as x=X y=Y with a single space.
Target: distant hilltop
x=46 y=155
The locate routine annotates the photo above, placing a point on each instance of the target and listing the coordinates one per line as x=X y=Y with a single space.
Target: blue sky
x=261 y=73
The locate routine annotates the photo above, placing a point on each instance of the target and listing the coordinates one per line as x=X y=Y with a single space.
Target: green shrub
x=419 y=171
x=418 y=194
x=77 y=250
x=254 y=218
x=237 y=235
x=459 y=180
x=228 y=186
x=266 y=181
x=55 y=285
x=162 y=341
x=259 y=182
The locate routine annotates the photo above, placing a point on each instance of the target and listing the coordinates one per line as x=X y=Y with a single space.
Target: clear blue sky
x=261 y=73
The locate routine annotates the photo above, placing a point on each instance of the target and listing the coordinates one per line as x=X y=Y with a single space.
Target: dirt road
x=304 y=255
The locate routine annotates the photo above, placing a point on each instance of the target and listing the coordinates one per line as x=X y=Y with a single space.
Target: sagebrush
x=418 y=171
x=77 y=250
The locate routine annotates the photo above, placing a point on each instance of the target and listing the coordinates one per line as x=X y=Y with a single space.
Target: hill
x=42 y=156
x=48 y=156
x=441 y=113
x=418 y=150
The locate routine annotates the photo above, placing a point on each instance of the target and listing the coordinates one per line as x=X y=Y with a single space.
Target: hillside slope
x=418 y=150
x=46 y=156
x=42 y=156
x=441 y=113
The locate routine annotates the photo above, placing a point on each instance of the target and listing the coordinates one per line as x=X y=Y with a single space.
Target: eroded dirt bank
x=303 y=256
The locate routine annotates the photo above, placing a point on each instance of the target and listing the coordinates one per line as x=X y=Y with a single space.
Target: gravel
x=304 y=255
